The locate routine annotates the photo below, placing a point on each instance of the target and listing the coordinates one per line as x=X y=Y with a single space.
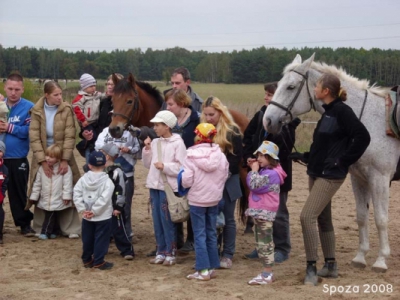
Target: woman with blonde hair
x=229 y=139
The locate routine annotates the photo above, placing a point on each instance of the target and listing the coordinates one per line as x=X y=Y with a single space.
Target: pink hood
x=205 y=172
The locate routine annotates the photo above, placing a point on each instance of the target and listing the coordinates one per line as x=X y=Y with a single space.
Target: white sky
x=210 y=25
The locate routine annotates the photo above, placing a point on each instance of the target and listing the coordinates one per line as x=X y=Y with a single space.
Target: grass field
x=246 y=98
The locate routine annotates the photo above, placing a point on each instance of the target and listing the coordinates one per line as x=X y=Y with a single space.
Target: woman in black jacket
x=339 y=140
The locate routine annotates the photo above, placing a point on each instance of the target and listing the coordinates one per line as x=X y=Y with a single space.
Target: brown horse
x=136 y=103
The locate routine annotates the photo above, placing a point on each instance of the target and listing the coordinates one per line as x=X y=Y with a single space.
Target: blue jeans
x=204 y=223
x=129 y=187
x=95 y=240
x=164 y=228
x=281 y=229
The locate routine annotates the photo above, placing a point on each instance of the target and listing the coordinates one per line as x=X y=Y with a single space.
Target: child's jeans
x=204 y=222
x=164 y=228
x=95 y=240
x=121 y=236
x=264 y=242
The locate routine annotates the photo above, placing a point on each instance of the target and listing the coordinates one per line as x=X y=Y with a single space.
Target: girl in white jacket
x=52 y=194
x=173 y=153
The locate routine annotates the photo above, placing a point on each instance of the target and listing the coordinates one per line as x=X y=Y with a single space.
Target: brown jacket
x=64 y=136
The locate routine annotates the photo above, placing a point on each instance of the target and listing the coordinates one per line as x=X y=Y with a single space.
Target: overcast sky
x=211 y=25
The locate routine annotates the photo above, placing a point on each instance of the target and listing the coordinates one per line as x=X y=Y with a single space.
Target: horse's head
x=125 y=105
x=293 y=97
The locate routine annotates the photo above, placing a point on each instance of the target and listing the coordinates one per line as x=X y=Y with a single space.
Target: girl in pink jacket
x=205 y=171
x=264 y=181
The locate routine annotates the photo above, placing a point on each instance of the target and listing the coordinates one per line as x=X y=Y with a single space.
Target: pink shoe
x=260 y=280
x=225 y=263
x=203 y=276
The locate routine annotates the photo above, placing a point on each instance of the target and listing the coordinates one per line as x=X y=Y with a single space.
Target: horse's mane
x=151 y=90
x=362 y=84
x=124 y=87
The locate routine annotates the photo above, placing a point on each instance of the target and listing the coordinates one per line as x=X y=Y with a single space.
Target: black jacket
x=339 y=140
x=187 y=132
x=255 y=134
x=104 y=114
x=235 y=157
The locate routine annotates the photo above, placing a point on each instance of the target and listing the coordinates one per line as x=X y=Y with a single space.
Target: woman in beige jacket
x=52 y=122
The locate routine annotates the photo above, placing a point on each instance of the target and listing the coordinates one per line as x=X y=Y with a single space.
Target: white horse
x=372 y=173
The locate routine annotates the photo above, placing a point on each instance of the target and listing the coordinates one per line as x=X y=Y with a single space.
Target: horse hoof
x=379 y=270
x=358 y=265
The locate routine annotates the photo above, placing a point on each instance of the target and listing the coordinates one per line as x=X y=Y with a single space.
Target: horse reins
x=363 y=106
x=291 y=104
x=135 y=108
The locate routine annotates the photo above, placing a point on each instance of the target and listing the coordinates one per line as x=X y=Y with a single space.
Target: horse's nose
x=115 y=131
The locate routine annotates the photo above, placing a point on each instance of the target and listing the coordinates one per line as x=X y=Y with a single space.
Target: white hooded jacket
x=93 y=192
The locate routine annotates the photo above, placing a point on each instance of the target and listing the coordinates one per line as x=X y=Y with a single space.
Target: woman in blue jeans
x=205 y=170
x=229 y=139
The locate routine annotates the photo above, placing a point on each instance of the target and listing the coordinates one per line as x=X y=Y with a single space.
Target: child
x=118 y=230
x=205 y=170
x=86 y=108
x=264 y=181
x=54 y=193
x=92 y=198
x=128 y=147
x=3 y=187
x=173 y=153
x=3 y=116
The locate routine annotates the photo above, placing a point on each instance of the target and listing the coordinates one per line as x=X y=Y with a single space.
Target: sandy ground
x=33 y=269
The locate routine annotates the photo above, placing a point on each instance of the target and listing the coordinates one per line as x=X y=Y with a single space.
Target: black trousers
x=95 y=240
x=180 y=235
x=18 y=173
x=2 y=215
x=121 y=235
x=50 y=224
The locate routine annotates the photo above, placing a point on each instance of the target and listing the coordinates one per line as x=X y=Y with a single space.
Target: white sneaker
x=169 y=261
x=159 y=259
x=74 y=236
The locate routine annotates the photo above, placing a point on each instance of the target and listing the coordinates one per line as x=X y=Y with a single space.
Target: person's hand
x=66 y=202
x=63 y=169
x=296 y=156
x=255 y=166
x=147 y=143
x=47 y=170
x=250 y=161
x=85 y=124
x=135 y=131
x=1 y=97
x=116 y=212
x=32 y=202
x=88 y=214
x=87 y=134
x=159 y=166
x=124 y=149
x=3 y=126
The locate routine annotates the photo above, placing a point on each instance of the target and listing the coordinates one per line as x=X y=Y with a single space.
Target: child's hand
x=147 y=143
x=159 y=166
x=250 y=160
x=116 y=213
x=1 y=97
x=124 y=149
x=32 y=202
x=85 y=124
x=66 y=202
x=88 y=214
x=255 y=166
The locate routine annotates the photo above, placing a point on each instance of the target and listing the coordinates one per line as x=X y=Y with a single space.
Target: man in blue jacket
x=17 y=145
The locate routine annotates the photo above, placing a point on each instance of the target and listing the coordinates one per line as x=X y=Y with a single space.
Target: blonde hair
x=180 y=97
x=54 y=151
x=226 y=126
x=119 y=76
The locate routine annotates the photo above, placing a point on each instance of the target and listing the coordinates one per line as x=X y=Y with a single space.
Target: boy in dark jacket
x=118 y=230
x=3 y=187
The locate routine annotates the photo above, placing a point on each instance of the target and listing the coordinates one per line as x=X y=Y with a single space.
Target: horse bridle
x=291 y=104
x=135 y=108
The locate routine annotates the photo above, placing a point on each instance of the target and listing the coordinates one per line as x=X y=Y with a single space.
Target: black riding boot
x=329 y=270
x=311 y=274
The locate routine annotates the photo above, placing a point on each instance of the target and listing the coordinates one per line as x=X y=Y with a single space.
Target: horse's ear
x=308 y=62
x=297 y=59
x=131 y=79
x=114 y=78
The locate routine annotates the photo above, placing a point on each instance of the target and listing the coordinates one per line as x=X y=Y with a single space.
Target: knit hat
x=86 y=81
x=205 y=133
x=2 y=147
x=97 y=159
x=166 y=117
x=268 y=148
x=110 y=149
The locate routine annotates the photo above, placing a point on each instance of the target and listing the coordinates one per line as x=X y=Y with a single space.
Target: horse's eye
x=291 y=87
x=129 y=102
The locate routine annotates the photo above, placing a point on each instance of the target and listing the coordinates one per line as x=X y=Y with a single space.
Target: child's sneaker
x=42 y=237
x=202 y=275
x=104 y=266
x=260 y=279
x=53 y=236
x=169 y=261
x=213 y=273
x=226 y=263
x=74 y=236
x=129 y=257
x=159 y=259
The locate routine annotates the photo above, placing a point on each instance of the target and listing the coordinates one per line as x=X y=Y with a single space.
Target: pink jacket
x=173 y=152
x=205 y=172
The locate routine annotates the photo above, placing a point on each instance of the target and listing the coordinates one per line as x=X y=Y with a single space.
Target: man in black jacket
x=254 y=135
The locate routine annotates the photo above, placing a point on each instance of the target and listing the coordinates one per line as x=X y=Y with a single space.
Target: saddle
x=393 y=112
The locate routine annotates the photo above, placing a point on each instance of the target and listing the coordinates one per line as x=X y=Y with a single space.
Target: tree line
x=258 y=65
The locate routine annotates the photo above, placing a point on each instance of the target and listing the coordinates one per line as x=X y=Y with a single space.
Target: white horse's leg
x=380 y=199
x=362 y=197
